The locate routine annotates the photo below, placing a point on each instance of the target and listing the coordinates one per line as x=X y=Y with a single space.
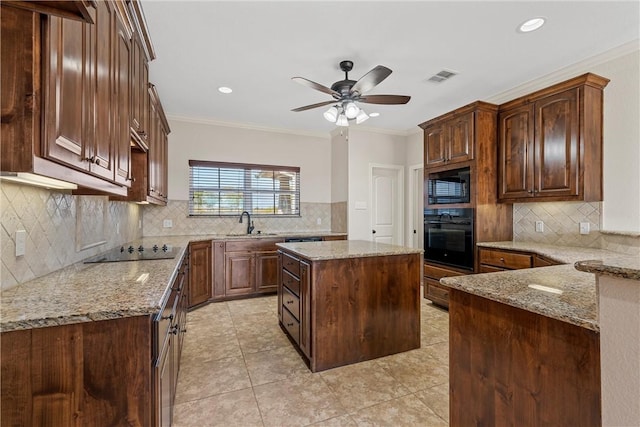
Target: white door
x=387 y=208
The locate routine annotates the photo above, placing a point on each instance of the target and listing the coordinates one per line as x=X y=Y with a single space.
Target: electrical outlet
x=117 y=228
x=584 y=228
x=167 y=223
x=319 y=221
x=539 y=226
x=139 y=223
x=21 y=242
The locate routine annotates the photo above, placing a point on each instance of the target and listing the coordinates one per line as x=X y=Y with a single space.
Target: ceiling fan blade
x=371 y=79
x=316 y=86
x=384 y=99
x=319 y=104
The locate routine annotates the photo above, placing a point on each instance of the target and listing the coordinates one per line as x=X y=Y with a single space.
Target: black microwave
x=452 y=186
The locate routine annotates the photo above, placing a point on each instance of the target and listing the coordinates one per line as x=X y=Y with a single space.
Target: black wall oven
x=448 y=237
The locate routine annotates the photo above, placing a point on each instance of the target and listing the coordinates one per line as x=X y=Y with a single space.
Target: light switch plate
x=21 y=242
x=167 y=223
x=539 y=226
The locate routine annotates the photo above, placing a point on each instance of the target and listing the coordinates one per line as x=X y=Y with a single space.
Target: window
x=219 y=189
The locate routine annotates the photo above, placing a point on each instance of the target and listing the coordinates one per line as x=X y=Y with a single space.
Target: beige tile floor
x=238 y=369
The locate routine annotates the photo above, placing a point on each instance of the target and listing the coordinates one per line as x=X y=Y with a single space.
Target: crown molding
x=248 y=126
x=565 y=73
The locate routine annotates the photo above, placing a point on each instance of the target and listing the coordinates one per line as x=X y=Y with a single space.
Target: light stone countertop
x=560 y=292
x=340 y=249
x=91 y=292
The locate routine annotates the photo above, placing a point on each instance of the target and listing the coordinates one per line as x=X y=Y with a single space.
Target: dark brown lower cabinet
x=200 y=272
x=109 y=372
x=508 y=366
x=433 y=290
x=93 y=373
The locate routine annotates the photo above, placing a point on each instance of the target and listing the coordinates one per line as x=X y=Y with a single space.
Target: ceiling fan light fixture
x=361 y=117
x=342 y=120
x=331 y=114
x=351 y=110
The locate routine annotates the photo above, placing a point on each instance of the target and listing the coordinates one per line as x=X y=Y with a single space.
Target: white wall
x=621 y=138
x=203 y=141
x=367 y=147
x=339 y=166
x=414 y=158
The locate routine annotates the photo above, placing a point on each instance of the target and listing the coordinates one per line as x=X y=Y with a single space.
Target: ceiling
x=256 y=47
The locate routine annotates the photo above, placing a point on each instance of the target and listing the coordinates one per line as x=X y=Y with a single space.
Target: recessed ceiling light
x=374 y=114
x=531 y=25
x=225 y=89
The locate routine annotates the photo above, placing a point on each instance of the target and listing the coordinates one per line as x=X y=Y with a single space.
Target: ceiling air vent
x=441 y=76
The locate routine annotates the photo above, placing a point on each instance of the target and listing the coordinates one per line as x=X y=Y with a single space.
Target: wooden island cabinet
x=345 y=302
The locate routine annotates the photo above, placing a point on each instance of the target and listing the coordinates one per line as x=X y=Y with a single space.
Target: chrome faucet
x=250 y=226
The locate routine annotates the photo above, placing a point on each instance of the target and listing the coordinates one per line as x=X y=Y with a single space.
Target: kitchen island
x=343 y=302
x=525 y=344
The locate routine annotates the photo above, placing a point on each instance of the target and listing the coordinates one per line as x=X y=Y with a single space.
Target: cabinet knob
x=530 y=191
x=501 y=259
x=373 y=231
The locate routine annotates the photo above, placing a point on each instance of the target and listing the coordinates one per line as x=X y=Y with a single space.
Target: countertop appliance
x=452 y=186
x=448 y=237
x=132 y=253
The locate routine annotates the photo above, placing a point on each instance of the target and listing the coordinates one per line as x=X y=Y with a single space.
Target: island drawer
x=291 y=282
x=291 y=264
x=505 y=259
x=291 y=302
x=291 y=325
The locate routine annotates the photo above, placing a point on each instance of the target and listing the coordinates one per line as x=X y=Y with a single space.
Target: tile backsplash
x=561 y=223
x=313 y=217
x=61 y=229
x=562 y=226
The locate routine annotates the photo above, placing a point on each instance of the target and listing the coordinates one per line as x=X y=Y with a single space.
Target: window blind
x=219 y=189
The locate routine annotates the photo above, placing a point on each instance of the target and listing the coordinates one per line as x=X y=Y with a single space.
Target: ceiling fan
x=347 y=92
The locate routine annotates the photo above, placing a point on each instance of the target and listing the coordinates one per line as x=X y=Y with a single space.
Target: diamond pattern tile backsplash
x=561 y=223
x=53 y=234
x=313 y=217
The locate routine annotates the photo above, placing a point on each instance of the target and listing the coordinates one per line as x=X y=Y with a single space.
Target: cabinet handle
x=290 y=302
x=501 y=259
x=184 y=331
x=289 y=324
x=530 y=191
x=169 y=317
x=174 y=330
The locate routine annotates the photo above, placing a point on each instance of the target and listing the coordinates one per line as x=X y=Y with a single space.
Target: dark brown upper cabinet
x=550 y=143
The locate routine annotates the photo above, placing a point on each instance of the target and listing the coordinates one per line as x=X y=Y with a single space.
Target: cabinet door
x=557 y=156
x=102 y=93
x=305 y=308
x=434 y=145
x=460 y=144
x=218 y=270
x=67 y=106
x=238 y=273
x=266 y=271
x=164 y=375
x=515 y=148
x=200 y=283
x=122 y=105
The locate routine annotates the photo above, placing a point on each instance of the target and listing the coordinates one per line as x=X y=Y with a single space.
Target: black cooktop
x=140 y=253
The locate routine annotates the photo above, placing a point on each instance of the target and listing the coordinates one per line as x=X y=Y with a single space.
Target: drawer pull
x=290 y=302
x=289 y=325
x=169 y=317
x=501 y=259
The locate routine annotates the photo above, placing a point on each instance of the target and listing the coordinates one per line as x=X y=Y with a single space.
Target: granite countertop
x=91 y=292
x=340 y=249
x=560 y=292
